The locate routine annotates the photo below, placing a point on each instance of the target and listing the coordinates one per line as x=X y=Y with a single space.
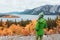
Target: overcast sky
x=20 y=5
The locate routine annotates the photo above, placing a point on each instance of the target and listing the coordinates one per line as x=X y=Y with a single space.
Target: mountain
x=27 y=11
x=47 y=9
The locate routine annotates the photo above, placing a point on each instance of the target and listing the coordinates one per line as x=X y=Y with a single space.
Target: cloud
x=20 y=5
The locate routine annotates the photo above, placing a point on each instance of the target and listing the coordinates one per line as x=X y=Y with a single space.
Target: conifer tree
x=1 y=22
x=8 y=23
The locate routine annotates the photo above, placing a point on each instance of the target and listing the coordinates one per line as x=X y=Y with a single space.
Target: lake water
x=30 y=17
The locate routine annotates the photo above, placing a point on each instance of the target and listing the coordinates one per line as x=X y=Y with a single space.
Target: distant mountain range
x=47 y=9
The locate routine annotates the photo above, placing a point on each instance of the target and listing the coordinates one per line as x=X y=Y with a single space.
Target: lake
x=30 y=17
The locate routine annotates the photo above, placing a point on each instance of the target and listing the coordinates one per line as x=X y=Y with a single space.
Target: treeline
x=9 y=22
x=50 y=22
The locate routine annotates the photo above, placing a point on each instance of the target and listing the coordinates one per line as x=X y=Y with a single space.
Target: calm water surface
x=30 y=17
